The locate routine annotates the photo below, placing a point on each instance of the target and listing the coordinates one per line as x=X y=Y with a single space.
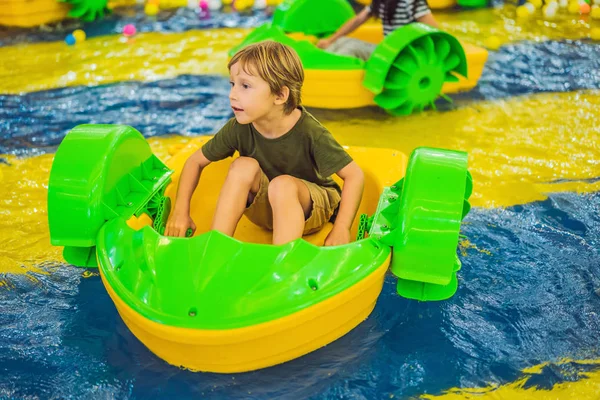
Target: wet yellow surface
x=519 y=149
x=477 y=25
x=587 y=386
x=107 y=59
x=153 y=56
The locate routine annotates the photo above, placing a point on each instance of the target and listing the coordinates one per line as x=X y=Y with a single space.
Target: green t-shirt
x=308 y=151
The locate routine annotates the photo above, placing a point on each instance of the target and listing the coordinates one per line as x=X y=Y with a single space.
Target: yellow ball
x=151 y=9
x=536 y=3
x=522 y=12
x=79 y=35
x=573 y=8
x=492 y=42
x=595 y=12
x=272 y=3
x=595 y=34
x=227 y=2
x=242 y=5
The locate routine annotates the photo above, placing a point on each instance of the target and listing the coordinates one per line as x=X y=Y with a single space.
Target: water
x=527 y=295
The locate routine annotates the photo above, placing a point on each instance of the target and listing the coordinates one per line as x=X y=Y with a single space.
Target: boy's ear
x=283 y=96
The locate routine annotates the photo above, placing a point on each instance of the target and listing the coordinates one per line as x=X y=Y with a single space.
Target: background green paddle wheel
x=319 y=18
x=88 y=10
x=408 y=69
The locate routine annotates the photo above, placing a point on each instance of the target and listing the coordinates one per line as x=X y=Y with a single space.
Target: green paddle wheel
x=408 y=69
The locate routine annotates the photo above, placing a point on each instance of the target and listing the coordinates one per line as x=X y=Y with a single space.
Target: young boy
x=282 y=179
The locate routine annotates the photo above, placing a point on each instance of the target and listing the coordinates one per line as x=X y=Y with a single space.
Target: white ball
x=564 y=3
x=530 y=7
x=260 y=4
x=549 y=12
x=214 y=5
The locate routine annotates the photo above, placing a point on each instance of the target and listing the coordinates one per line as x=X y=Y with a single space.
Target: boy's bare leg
x=241 y=185
x=291 y=203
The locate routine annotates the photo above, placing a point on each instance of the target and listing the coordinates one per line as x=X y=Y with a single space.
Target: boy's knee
x=281 y=187
x=244 y=168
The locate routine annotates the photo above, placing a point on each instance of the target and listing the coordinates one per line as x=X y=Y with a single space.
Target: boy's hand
x=338 y=236
x=324 y=43
x=178 y=224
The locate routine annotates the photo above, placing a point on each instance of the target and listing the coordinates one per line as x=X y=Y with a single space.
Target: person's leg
x=325 y=202
x=240 y=187
x=291 y=203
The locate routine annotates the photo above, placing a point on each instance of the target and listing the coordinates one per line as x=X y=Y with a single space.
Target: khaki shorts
x=325 y=202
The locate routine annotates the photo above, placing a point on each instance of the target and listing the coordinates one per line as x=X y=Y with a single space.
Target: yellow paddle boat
x=222 y=304
x=407 y=72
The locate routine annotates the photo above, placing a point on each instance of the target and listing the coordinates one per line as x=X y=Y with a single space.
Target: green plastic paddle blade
x=80 y=256
x=430 y=211
x=88 y=10
x=472 y=3
x=427 y=291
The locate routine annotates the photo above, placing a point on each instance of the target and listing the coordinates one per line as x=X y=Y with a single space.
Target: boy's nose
x=232 y=95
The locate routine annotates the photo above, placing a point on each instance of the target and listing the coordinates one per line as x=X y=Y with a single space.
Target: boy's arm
x=352 y=192
x=345 y=29
x=180 y=220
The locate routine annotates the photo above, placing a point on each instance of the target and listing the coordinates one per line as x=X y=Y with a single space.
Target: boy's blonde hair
x=278 y=65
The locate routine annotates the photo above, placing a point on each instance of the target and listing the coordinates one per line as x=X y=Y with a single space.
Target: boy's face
x=250 y=96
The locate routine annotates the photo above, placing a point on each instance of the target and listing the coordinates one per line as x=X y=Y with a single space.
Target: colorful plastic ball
x=493 y=42
x=595 y=34
x=563 y=3
x=243 y=5
x=536 y=3
x=70 y=39
x=203 y=5
x=574 y=8
x=214 y=5
x=550 y=10
x=584 y=8
x=129 y=30
x=151 y=9
x=595 y=13
x=79 y=35
x=525 y=10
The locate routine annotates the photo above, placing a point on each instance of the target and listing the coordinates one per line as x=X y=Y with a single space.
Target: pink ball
x=129 y=30
x=204 y=5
